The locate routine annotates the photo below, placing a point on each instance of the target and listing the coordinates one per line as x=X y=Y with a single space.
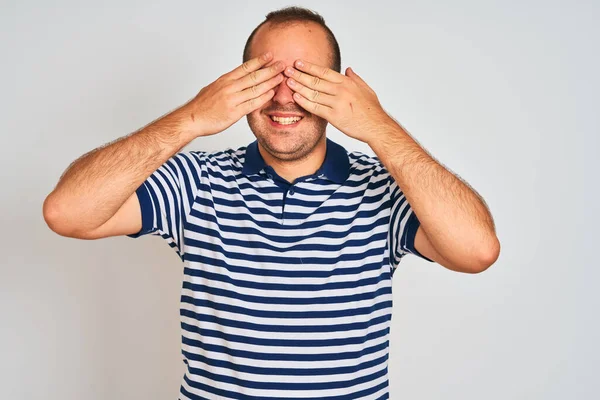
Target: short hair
x=290 y=15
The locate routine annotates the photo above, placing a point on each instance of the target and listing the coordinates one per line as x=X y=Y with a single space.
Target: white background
x=503 y=93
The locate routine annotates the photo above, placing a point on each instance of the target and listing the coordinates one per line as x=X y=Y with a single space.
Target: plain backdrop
x=503 y=93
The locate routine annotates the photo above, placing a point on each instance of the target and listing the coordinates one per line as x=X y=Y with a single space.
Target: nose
x=283 y=94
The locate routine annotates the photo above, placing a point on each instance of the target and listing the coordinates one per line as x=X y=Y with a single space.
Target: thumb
x=351 y=74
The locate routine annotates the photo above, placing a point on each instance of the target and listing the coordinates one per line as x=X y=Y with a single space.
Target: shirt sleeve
x=166 y=198
x=403 y=226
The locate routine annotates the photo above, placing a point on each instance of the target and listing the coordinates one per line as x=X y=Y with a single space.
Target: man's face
x=271 y=123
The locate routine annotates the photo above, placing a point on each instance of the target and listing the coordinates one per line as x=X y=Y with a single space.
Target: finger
x=257 y=102
x=312 y=81
x=250 y=66
x=320 y=71
x=313 y=95
x=258 y=76
x=257 y=90
x=312 y=107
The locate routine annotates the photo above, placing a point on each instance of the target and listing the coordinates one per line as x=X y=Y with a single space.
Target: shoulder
x=364 y=164
x=228 y=159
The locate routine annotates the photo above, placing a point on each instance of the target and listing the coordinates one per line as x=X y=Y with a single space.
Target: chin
x=285 y=146
x=286 y=138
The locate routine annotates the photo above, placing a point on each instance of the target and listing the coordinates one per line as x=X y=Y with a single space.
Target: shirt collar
x=335 y=167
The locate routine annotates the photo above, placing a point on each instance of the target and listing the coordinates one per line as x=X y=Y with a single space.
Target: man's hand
x=346 y=101
x=237 y=93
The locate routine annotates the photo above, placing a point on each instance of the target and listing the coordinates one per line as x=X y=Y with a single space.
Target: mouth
x=285 y=120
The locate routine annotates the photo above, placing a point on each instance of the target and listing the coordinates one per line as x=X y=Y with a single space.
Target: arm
x=95 y=197
x=457 y=231
x=102 y=182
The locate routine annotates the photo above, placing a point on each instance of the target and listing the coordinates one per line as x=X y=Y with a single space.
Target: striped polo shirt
x=287 y=290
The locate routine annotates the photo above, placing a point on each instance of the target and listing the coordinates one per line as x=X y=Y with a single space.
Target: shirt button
x=291 y=191
x=270 y=176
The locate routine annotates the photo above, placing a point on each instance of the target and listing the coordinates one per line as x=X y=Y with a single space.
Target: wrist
x=383 y=133
x=188 y=123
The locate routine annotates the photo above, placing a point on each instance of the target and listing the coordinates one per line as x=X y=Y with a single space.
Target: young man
x=289 y=244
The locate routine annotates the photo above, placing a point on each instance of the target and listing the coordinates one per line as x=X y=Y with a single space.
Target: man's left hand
x=346 y=101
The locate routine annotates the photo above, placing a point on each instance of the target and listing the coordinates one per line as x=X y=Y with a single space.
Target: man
x=289 y=244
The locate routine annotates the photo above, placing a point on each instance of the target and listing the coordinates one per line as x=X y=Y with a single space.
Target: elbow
x=51 y=213
x=63 y=219
x=487 y=258
x=55 y=217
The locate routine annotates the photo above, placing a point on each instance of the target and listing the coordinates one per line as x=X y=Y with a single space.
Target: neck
x=292 y=170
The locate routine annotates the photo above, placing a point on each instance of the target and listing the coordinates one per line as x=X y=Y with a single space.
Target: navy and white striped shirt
x=287 y=289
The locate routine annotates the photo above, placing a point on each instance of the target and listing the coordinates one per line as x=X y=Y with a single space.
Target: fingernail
x=290 y=71
x=291 y=81
x=266 y=55
x=300 y=63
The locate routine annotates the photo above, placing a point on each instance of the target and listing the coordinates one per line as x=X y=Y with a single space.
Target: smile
x=277 y=121
x=285 y=120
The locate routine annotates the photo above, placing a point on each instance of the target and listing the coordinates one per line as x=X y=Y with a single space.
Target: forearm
x=455 y=219
x=96 y=185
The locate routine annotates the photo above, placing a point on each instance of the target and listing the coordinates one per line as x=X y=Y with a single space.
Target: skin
x=289 y=74
x=95 y=196
x=456 y=230
x=299 y=150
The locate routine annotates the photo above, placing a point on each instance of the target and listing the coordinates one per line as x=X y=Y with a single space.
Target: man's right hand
x=96 y=196
x=237 y=93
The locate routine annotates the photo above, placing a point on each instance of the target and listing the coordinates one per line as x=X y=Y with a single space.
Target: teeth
x=285 y=121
